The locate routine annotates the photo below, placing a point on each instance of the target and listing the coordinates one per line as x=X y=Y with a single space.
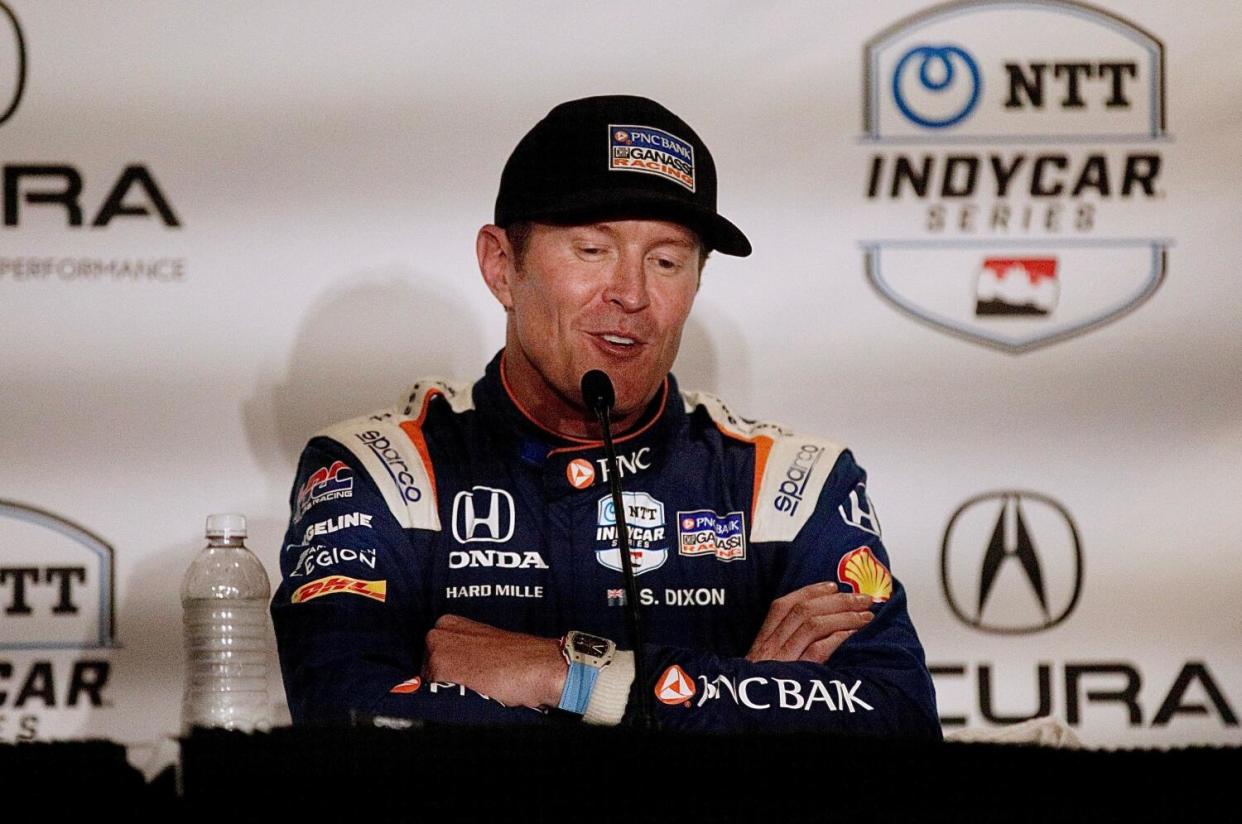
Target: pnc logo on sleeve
x=675 y=687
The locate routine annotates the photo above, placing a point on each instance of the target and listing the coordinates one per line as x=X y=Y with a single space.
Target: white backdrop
x=329 y=164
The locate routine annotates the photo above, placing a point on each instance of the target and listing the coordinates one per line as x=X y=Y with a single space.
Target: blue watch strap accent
x=579 y=682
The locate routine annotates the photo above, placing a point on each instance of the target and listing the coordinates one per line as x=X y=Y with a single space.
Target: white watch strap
x=612 y=691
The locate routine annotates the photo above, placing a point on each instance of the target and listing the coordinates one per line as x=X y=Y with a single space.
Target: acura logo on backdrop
x=1011 y=562
x=483 y=514
x=12 y=63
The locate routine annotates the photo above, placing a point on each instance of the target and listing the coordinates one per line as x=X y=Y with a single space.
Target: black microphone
x=597 y=391
x=599 y=397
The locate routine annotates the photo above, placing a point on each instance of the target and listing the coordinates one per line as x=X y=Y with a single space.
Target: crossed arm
x=808 y=624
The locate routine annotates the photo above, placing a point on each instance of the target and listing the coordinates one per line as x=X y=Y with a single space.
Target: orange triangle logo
x=675 y=686
x=580 y=473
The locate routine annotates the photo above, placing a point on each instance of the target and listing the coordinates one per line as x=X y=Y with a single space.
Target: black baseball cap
x=614 y=157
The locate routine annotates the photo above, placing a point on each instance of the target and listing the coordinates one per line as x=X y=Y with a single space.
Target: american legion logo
x=1015 y=169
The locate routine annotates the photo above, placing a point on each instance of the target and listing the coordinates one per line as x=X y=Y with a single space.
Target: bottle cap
x=229 y=525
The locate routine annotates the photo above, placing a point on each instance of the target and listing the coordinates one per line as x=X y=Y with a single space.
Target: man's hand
x=809 y=624
x=513 y=668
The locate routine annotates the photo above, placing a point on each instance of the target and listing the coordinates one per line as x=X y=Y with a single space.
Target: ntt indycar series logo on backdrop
x=1015 y=153
x=57 y=599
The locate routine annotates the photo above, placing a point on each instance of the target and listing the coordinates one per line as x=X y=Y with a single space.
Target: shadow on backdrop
x=712 y=350
x=359 y=349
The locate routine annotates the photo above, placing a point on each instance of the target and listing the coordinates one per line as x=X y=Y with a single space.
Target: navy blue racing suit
x=455 y=502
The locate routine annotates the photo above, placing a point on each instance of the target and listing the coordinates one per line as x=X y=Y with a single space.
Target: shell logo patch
x=863 y=571
x=651 y=151
x=675 y=686
x=580 y=473
x=409 y=686
x=375 y=590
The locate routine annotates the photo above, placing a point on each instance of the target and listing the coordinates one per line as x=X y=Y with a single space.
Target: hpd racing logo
x=1028 y=134
x=12 y=63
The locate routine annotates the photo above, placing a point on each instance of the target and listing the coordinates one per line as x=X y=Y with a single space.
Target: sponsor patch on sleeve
x=317 y=557
x=327 y=483
x=407 y=687
x=651 y=151
x=863 y=571
x=861 y=512
x=375 y=590
x=675 y=686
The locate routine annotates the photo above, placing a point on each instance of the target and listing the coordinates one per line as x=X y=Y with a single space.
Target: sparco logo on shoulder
x=1028 y=136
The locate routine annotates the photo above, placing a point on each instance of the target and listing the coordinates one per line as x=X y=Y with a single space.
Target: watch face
x=590 y=645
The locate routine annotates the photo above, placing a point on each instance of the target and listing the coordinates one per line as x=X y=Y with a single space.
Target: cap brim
x=612 y=204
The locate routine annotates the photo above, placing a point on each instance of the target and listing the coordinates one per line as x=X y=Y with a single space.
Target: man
x=455 y=558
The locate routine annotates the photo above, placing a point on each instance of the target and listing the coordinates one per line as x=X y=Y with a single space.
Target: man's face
x=611 y=296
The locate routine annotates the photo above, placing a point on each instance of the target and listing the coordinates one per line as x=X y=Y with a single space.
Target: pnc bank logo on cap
x=571 y=168
x=651 y=151
x=12 y=63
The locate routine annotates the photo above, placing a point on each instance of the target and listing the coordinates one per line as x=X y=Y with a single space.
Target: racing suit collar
x=572 y=465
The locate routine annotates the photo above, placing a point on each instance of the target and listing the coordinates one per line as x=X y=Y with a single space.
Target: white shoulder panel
x=790 y=469
x=458 y=393
x=390 y=445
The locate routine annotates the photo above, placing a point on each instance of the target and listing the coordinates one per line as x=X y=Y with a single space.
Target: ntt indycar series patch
x=653 y=151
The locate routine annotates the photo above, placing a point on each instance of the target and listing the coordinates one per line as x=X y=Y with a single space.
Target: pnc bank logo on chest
x=483 y=514
x=704 y=532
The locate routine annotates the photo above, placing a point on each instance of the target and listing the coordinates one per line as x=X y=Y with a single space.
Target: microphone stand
x=633 y=616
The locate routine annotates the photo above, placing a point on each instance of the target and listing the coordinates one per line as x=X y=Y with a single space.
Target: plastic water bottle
x=225 y=597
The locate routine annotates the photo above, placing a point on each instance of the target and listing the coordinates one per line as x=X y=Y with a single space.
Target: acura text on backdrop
x=45 y=193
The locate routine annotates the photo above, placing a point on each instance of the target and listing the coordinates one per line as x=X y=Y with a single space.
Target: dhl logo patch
x=376 y=590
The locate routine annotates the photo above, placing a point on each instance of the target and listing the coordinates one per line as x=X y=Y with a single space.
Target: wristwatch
x=586 y=655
